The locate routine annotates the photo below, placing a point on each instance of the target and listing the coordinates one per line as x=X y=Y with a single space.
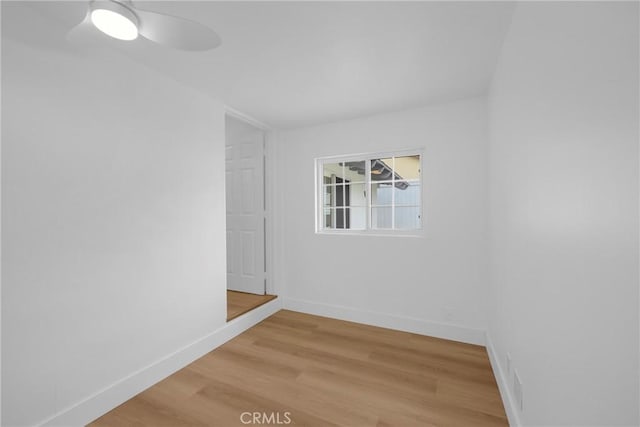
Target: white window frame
x=368 y=231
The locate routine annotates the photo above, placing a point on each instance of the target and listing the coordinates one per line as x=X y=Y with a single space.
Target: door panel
x=248 y=254
x=247 y=181
x=230 y=251
x=229 y=194
x=245 y=204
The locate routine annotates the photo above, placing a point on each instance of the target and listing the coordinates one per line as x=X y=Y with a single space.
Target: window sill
x=374 y=233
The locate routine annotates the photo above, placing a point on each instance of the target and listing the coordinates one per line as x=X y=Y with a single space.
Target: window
x=370 y=192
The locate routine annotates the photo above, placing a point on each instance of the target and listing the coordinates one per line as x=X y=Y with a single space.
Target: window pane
x=381 y=169
x=407 y=218
x=355 y=171
x=345 y=218
x=344 y=171
x=407 y=167
x=381 y=194
x=336 y=218
x=358 y=218
x=407 y=193
x=342 y=218
x=381 y=218
x=357 y=195
x=331 y=170
x=342 y=193
x=328 y=217
x=329 y=191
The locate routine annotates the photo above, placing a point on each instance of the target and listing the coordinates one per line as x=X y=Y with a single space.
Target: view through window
x=370 y=192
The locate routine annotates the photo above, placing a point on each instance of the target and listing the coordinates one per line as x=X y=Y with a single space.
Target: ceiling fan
x=120 y=19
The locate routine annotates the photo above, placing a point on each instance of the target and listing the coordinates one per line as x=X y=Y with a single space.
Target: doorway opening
x=246 y=217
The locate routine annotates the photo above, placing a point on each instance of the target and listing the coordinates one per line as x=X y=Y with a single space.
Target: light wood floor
x=324 y=372
x=238 y=303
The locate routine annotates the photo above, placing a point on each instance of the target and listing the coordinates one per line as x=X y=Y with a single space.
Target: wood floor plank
x=302 y=400
x=324 y=372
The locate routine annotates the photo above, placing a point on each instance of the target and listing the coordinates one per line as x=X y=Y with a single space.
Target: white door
x=245 y=207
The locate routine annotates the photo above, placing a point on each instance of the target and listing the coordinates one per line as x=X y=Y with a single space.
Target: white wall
x=402 y=282
x=113 y=223
x=564 y=211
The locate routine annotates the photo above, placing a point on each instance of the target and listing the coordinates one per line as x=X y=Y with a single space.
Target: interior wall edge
x=508 y=400
x=237 y=114
x=384 y=320
x=119 y=392
x=275 y=221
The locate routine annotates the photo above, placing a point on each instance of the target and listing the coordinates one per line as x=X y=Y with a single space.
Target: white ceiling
x=292 y=64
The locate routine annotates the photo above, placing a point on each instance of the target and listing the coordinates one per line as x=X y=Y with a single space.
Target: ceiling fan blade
x=176 y=32
x=85 y=33
x=78 y=34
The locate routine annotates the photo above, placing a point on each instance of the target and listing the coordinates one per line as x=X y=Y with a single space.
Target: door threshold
x=239 y=303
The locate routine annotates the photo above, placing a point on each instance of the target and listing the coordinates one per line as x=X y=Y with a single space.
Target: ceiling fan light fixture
x=115 y=20
x=122 y=20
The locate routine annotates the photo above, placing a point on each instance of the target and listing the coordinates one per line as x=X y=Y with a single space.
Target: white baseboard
x=119 y=392
x=383 y=320
x=505 y=392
